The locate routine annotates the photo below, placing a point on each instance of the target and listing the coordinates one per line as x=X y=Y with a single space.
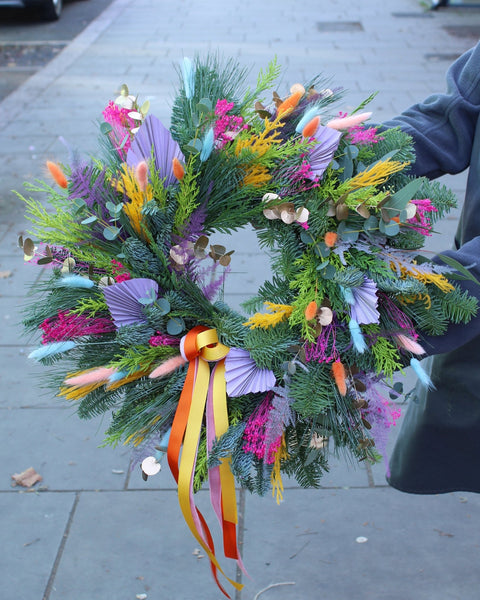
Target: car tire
x=52 y=9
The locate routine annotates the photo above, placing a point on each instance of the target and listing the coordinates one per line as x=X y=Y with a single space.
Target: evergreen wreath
x=130 y=315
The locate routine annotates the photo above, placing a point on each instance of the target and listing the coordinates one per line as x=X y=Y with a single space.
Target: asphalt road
x=27 y=43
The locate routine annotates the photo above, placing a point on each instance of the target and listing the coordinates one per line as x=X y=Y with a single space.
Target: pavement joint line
x=16 y=102
x=127 y=478
x=58 y=558
x=35 y=43
x=47 y=490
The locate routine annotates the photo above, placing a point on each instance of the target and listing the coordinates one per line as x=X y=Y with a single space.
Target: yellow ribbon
x=201 y=346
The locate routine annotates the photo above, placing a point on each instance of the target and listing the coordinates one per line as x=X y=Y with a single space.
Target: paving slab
x=18 y=276
x=370 y=544
x=154 y=554
x=32 y=527
x=22 y=382
x=63 y=449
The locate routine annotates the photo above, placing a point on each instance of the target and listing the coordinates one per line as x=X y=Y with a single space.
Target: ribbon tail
x=221 y=479
x=191 y=514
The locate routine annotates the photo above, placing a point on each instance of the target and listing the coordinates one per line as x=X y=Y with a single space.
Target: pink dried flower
x=254 y=435
x=226 y=126
x=161 y=339
x=66 y=326
x=117 y=268
x=121 y=124
x=122 y=277
x=421 y=222
x=362 y=136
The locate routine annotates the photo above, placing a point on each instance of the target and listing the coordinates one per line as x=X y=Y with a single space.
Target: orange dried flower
x=331 y=238
x=289 y=104
x=311 y=310
x=338 y=372
x=311 y=127
x=178 y=169
x=57 y=174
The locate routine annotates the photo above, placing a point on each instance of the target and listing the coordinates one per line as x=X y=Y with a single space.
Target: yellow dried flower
x=277 y=314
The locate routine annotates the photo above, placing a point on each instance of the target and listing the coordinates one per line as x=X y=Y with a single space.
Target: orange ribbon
x=201 y=346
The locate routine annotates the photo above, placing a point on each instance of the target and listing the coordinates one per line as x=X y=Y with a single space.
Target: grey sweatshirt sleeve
x=443 y=126
x=445 y=129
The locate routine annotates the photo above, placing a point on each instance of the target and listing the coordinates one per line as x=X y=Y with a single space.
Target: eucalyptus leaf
x=89 y=220
x=306 y=237
x=371 y=224
x=400 y=199
x=105 y=128
x=111 y=233
x=149 y=299
x=204 y=106
x=451 y=262
x=175 y=326
x=28 y=247
x=391 y=228
x=45 y=260
x=348 y=232
x=164 y=305
x=194 y=146
x=347 y=163
x=322 y=250
x=79 y=204
x=352 y=151
x=323 y=265
x=329 y=272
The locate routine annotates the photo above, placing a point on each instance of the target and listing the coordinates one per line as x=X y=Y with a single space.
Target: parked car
x=50 y=10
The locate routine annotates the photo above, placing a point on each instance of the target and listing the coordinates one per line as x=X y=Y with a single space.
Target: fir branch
x=312 y=390
x=140 y=357
x=187 y=197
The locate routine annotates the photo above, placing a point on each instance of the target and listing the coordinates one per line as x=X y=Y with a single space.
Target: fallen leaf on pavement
x=5 y=274
x=27 y=478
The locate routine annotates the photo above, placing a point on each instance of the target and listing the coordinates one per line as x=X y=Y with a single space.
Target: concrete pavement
x=92 y=530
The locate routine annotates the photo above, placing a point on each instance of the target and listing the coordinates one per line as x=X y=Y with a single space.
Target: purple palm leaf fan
x=365 y=300
x=153 y=135
x=243 y=376
x=321 y=153
x=126 y=300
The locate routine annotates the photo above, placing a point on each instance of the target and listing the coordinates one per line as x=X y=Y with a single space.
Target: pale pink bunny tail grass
x=409 y=344
x=167 y=367
x=141 y=173
x=348 y=122
x=89 y=377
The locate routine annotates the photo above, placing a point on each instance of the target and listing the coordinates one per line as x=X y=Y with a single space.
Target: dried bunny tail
x=167 y=367
x=338 y=372
x=89 y=377
x=408 y=344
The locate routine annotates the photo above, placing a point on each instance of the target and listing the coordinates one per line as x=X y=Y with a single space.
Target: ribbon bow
x=204 y=389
